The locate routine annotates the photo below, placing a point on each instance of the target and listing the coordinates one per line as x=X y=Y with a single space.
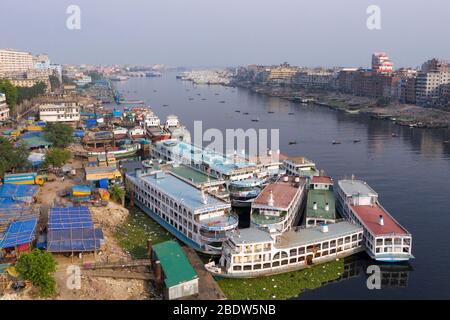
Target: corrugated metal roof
x=174 y=263
x=321 y=198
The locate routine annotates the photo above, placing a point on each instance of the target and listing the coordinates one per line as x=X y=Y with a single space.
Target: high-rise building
x=381 y=63
x=4 y=109
x=12 y=61
x=432 y=82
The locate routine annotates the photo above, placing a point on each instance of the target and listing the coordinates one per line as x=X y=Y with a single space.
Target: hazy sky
x=228 y=32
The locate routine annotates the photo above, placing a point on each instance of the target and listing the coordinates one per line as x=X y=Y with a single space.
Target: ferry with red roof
x=384 y=238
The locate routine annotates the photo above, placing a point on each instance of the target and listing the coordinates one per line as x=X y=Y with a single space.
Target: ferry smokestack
x=315 y=206
x=327 y=207
x=381 y=220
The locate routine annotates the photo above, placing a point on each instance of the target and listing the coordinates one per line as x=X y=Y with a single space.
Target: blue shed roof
x=69 y=218
x=19 y=232
x=11 y=191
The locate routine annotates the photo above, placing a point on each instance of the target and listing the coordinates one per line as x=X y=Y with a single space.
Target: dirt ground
x=92 y=288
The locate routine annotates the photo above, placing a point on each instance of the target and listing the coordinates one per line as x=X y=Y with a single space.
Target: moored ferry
x=251 y=252
x=195 y=217
x=320 y=207
x=118 y=152
x=136 y=132
x=244 y=192
x=277 y=207
x=384 y=238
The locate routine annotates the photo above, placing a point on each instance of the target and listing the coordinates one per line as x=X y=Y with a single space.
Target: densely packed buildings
x=427 y=87
x=4 y=109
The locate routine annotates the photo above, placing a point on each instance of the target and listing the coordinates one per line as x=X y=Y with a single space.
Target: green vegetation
x=117 y=193
x=57 y=157
x=38 y=268
x=11 y=157
x=283 y=286
x=25 y=93
x=59 y=134
x=54 y=82
x=10 y=92
x=133 y=234
x=95 y=75
x=383 y=102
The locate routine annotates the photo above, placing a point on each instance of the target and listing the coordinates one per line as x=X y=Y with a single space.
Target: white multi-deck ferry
x=277 y=207
x=250 y=253
x=384 y=238
x=195 y=217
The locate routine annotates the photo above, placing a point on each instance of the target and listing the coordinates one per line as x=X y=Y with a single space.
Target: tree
x=38 y=267
x=57 y=157
x=25 y=93
x=12 y=157
x=59 y=134
x=117 y=193
x=54 y=82
x=383 y=102
x=10 y=92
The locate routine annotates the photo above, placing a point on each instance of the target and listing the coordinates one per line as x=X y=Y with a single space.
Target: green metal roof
x=187 y=173
x=174 y=263
x=321 y=197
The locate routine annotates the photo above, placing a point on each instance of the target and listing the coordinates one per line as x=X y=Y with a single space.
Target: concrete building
x=282 y=74
x=381 y=63
x=314 y=79
x=431 y=82
x=12 y=61
x=4 y=109
x=83 y=80
x=63 y=112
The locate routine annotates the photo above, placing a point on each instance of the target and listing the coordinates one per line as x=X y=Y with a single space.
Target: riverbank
x=401 y=114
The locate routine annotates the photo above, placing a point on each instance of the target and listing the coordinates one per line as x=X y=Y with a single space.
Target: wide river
x=411 y=172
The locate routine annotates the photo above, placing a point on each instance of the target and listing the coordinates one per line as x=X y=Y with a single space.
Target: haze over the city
x=225 y=33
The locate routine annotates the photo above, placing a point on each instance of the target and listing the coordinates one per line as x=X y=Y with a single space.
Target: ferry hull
x=264 y=273
x=174 y=231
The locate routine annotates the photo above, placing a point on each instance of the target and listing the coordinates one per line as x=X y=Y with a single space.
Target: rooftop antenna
x=271 y=201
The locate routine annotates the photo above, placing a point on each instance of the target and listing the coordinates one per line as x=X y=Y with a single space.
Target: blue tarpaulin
x=78 y=240
x=71 y=230
x=78 y=133
x=19 y=232
x=103 y=184
x=11 y=209
x=68 y=218
x=17 y=191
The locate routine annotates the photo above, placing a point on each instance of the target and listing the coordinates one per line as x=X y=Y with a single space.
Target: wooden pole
x=149 y=248
x=157 y=267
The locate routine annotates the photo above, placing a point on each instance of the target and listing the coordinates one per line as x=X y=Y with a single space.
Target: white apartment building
x=63 y=112
x=15 y=61
x=4 y=109
x=430 y=86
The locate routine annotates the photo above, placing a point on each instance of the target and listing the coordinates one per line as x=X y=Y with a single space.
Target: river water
x=411 y=172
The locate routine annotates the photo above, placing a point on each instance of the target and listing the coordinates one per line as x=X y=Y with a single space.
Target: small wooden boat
x=222 y=101
x=292 y=142
x=245 y=113
x=356 y=140
x=336 y=142
x=270 y=112
x=255 y=120
x=394 y=135
x=238 y=111
x=165 y=105
x=291 y=113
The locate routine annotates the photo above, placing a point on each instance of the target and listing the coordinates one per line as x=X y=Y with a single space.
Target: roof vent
x=324 y=228
x=327 y=207
x=315 y=206
x=285 y=178
x=204 y=197
x=381 y=220
x=297 y=179
x=271 y=202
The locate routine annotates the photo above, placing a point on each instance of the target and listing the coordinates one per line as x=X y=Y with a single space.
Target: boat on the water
x=384 y=238
x=119 y=152
x=136 y=133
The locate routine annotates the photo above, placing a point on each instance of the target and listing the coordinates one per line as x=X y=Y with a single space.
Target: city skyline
x=198 y=33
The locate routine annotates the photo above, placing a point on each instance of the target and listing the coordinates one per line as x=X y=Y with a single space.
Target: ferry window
x=293 y=260
x=332 y=251
x=333 y=243
x=354 y=237
x=388 y=241
x=406 y=241
x=293 y=252
x=301 y=250
x=325 y=253
x=276 y=264
x=377 y=250
x=301 y=259
x=195 y=229
x=266 y=265
x=360 y=236
x=284 y=262
x=406 y=249
x=247 y=268
x=397 y=241
x=257 y=267
x=340 y=241
x=309 y=248
x=347 y=239
x=325 y=245
x=237 y=268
